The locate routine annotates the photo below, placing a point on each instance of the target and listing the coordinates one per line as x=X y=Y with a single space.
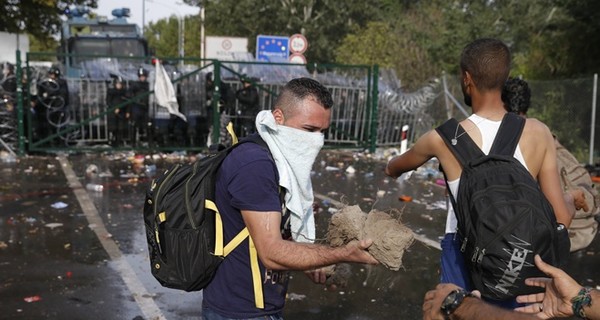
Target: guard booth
x=363 y=116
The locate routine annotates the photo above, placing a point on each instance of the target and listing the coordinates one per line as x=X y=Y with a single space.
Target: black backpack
x=504 y=219
x=183 y=225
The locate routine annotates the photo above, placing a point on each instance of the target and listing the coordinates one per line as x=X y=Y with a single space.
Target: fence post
x=20 y=112
x=446 y=99
x=593 y=124
x=374 y=111
x=216 y=97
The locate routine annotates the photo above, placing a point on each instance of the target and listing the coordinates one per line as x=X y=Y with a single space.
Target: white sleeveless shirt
x=488 y=129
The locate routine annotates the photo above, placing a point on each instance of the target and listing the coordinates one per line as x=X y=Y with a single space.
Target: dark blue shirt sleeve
x=255 y=186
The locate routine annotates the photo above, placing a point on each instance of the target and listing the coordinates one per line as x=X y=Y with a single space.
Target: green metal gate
x=83 y=125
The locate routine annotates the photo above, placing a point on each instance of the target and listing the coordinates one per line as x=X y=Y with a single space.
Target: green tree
x=578 y=31
x=323 y=22
x=48 y=44
x=40 y=18
x=163 y=36
x=425 y=38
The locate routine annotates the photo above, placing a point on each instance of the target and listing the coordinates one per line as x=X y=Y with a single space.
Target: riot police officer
x=140 y=107
x=8 y=83
x=118 y=118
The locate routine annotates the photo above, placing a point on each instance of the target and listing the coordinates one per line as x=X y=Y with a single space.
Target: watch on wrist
x=453 y=300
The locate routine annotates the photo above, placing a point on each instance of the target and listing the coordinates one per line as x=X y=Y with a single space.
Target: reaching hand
x=319 y=276
x=556 y=300
x=357 y=252
x=433 y=301
x=579 y=199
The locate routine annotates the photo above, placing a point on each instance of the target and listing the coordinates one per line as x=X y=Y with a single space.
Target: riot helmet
x=55 y=71
x=8 y=68
x=118 y=80
x=142 y=72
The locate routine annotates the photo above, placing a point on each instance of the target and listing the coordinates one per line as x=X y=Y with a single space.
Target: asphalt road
x=67 y=252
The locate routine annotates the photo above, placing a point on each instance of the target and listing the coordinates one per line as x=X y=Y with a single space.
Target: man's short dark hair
x=488 y=62
x=299 y=89
x=516 y=96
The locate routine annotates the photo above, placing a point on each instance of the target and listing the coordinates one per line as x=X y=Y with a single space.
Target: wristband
x=581 y=300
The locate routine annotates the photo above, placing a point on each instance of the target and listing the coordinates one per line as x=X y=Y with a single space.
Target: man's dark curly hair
x=516 y=96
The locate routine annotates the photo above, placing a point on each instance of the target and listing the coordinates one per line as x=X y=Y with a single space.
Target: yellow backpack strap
x=218 y=227
x=224 y=251
x=259 y=301
x=235 y=241
x=234 y=139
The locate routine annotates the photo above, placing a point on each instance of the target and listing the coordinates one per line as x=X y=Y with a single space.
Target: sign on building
x=225 y=48
x=272 y=48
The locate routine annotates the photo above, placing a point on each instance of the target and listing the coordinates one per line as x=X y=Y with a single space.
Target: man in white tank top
x=485 y=66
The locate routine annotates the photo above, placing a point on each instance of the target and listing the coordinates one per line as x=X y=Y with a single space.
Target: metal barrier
x=358 y=119
x=362 y=116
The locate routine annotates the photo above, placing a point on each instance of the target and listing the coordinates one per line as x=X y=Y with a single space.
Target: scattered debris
x=59 y=205
x=105 y=174
x=94 y=187
x=32 y=299
x=296 y=296
x=91 y=170
x=53 y=225
x=405 y=198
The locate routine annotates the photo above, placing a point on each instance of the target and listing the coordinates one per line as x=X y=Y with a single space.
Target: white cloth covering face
x=294 y=152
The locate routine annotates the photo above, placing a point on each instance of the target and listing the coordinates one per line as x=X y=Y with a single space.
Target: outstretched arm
x=556 y=300
x=278 y=254
x=470 y=309
x=413 y=158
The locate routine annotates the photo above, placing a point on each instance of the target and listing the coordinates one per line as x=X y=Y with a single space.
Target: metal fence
x=84 y=122
x=567 y=107
x=358 y=119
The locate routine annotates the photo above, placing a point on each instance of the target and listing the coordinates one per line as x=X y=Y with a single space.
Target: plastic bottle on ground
x=94 y=187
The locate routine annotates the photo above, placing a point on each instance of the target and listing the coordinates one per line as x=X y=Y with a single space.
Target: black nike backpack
x=504 y=219
x=183 y=226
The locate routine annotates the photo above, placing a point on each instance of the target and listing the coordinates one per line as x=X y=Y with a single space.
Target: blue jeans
x=453 y=269
x=209 y=314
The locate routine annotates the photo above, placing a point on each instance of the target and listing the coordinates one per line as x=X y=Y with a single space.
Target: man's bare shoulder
x=431 y=143
x=431 y=137
x=535 y=127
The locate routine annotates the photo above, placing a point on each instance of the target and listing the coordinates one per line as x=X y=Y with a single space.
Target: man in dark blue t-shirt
x=247 y=195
